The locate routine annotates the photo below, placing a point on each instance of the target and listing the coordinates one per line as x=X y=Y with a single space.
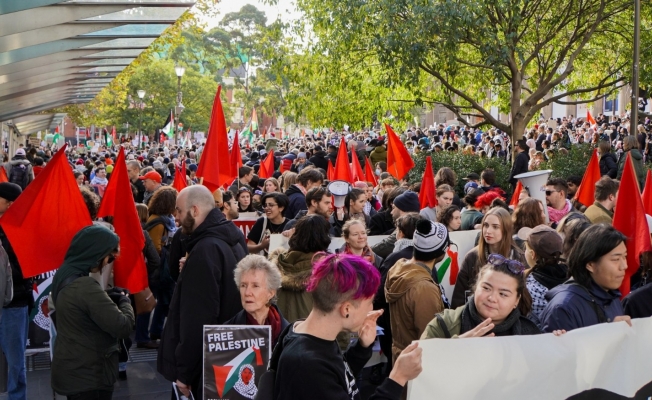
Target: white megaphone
x=339 y=189
x=535 y=183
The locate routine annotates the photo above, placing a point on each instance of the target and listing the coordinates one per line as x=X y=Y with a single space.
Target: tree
x=519 y=55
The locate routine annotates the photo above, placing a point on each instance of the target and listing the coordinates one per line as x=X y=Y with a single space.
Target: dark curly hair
x=91 y=200
x=311 y=234
x=446 y=215
x=163 y=201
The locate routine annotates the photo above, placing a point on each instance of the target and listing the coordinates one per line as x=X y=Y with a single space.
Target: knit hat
x=20 y=152
x=10 y=191
x=544 y=240
x=193 y=167
x=301 y=155
x=430 y=240
x=407 y=202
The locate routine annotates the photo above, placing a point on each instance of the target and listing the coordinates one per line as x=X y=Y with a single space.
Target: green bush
x=573 y=163
x=463 y=165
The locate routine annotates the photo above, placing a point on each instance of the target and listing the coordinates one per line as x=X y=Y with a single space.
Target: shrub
x=463 y=165
x=573 y=163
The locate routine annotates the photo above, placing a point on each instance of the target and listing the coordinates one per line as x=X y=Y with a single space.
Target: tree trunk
x=517 y=126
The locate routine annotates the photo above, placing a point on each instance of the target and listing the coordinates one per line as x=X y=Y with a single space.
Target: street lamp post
x=633 y=123
x=141 y=95
x=179 y=70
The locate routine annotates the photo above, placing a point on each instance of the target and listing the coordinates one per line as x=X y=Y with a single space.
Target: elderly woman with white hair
x=258 y=280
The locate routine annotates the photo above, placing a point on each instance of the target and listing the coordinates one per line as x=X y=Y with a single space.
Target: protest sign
x=601 y=362
x=235 y=356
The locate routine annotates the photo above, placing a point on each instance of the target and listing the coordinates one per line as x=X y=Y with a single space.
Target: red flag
x=590 y=119
x=517 y=194
x=399 y=161
x=236 y=157
x=267 y=166
x=342 y=167
x=46 y=216
x=214 y=165
x=368 y=171
x=647 y=193
x=629 y=218
x=180 y=182
x=3 y=175
x=129 y=269
x=330 y=173
x=427 y=195
x=356 y=169
x=586 y=191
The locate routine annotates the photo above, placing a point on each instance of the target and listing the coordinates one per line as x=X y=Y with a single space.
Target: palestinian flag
x=167 y=127
x=247 y=134
x=227 y=375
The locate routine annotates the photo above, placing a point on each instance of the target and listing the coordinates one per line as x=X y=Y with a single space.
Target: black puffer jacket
x=204 y=295
x=609 y=165
x=319 y=160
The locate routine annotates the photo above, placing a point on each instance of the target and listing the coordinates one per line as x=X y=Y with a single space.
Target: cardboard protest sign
x=235 y=356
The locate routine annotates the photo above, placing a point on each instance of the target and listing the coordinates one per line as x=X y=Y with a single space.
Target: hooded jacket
x=297 y=202
x=378 y=154
x=204 y=295
x=639 y=168
x=414 y=299
x=88 y=322
x=570 y=307
x=293 y=300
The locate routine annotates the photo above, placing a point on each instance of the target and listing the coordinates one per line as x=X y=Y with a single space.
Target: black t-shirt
x=313 y=368
x=257 y=230
x=638 y=304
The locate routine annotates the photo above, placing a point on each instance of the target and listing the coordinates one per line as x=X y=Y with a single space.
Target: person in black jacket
x=608 y=161
x=521 y=162
x=332 y=154
x=306 y=180
x=310 y=364
x=204 y=294
x=383 y=222
x=319 y=159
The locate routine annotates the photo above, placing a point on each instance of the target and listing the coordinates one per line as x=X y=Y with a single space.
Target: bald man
x=205 y=293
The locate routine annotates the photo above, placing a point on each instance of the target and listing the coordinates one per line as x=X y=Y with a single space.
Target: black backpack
x=166 y=282
x=19 y=175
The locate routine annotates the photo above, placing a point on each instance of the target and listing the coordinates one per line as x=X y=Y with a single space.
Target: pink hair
x=347 y=273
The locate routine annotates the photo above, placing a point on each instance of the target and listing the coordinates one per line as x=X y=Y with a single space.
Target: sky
x=285 y=9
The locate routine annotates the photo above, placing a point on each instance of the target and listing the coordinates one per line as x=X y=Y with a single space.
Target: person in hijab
x=89 y=321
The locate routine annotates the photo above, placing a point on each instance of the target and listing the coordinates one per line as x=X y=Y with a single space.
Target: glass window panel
x=122 y=43
x=131 y=30
x=111 y=61
x=149 y=14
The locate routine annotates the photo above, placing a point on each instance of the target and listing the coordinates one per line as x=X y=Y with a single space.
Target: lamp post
x=179 y=70
x=141 y=95
x=633 y=123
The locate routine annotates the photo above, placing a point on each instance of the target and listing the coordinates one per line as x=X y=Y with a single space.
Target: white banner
x=605 y=361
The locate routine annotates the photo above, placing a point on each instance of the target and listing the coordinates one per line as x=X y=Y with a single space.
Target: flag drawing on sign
x=235 y=356
x=167 y=126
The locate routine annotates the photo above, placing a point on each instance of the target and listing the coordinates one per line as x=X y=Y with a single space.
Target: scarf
x=367 y=254
x=273 y=320
x=514 y=324
x=550 y=276
x=99 y=181
x=557 y=215
x=248 y=390
x=402 y=244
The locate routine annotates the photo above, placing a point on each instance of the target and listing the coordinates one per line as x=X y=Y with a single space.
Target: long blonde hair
x=507 y=230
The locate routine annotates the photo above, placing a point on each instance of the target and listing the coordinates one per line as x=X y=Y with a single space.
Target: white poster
x=605 y=361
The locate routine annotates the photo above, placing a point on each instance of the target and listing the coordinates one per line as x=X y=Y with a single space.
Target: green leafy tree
x=518 y=55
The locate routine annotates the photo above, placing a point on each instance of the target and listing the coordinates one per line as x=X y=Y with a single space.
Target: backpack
x=19 y=175
x=166 y=282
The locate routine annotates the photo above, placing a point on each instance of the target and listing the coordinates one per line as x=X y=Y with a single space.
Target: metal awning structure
x=54 y=52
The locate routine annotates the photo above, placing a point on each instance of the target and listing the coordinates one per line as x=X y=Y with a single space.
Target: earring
x=347 y=315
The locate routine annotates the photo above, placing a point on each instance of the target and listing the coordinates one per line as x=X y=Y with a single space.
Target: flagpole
x=633 y=123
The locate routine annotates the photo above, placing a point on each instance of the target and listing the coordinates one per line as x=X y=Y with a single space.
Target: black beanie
x=408 y=202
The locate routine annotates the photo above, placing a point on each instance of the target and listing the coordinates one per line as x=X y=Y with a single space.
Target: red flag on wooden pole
x=368 y=171
x=235 y=157
x=356 y=169
x=46 y=216
x=214 y=165
x=586 y=191
x=516 y=194
x=427 y=195
x=629 y=218
x=647 y=193
x=399 y=161
x=342 y=168
x=129 y=268
x=330 y=173
x=180 y=181
x=267 y=166
x=590 y=119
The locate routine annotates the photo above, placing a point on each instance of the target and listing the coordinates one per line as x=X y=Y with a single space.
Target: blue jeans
x=13 y=339
x=160 y=312
x=142 y=328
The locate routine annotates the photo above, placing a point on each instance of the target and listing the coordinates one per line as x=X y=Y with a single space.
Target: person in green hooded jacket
x=89 y=321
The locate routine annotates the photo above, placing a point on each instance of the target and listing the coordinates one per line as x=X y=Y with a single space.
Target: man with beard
x=319 y=201
x=205 y=293
x=229 y=206
x=133 y=169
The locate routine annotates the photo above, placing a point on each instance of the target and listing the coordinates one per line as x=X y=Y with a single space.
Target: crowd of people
x=535 y=268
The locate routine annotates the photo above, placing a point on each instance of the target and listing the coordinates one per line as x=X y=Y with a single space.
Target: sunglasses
x=550 y=192
x=514 y=266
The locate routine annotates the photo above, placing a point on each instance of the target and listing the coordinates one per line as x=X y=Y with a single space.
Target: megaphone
x=535 y=183
x=339 y=189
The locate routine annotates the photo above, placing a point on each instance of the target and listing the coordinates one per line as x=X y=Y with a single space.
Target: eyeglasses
x=550 y=192
x=269 y=205
x=514 y=266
